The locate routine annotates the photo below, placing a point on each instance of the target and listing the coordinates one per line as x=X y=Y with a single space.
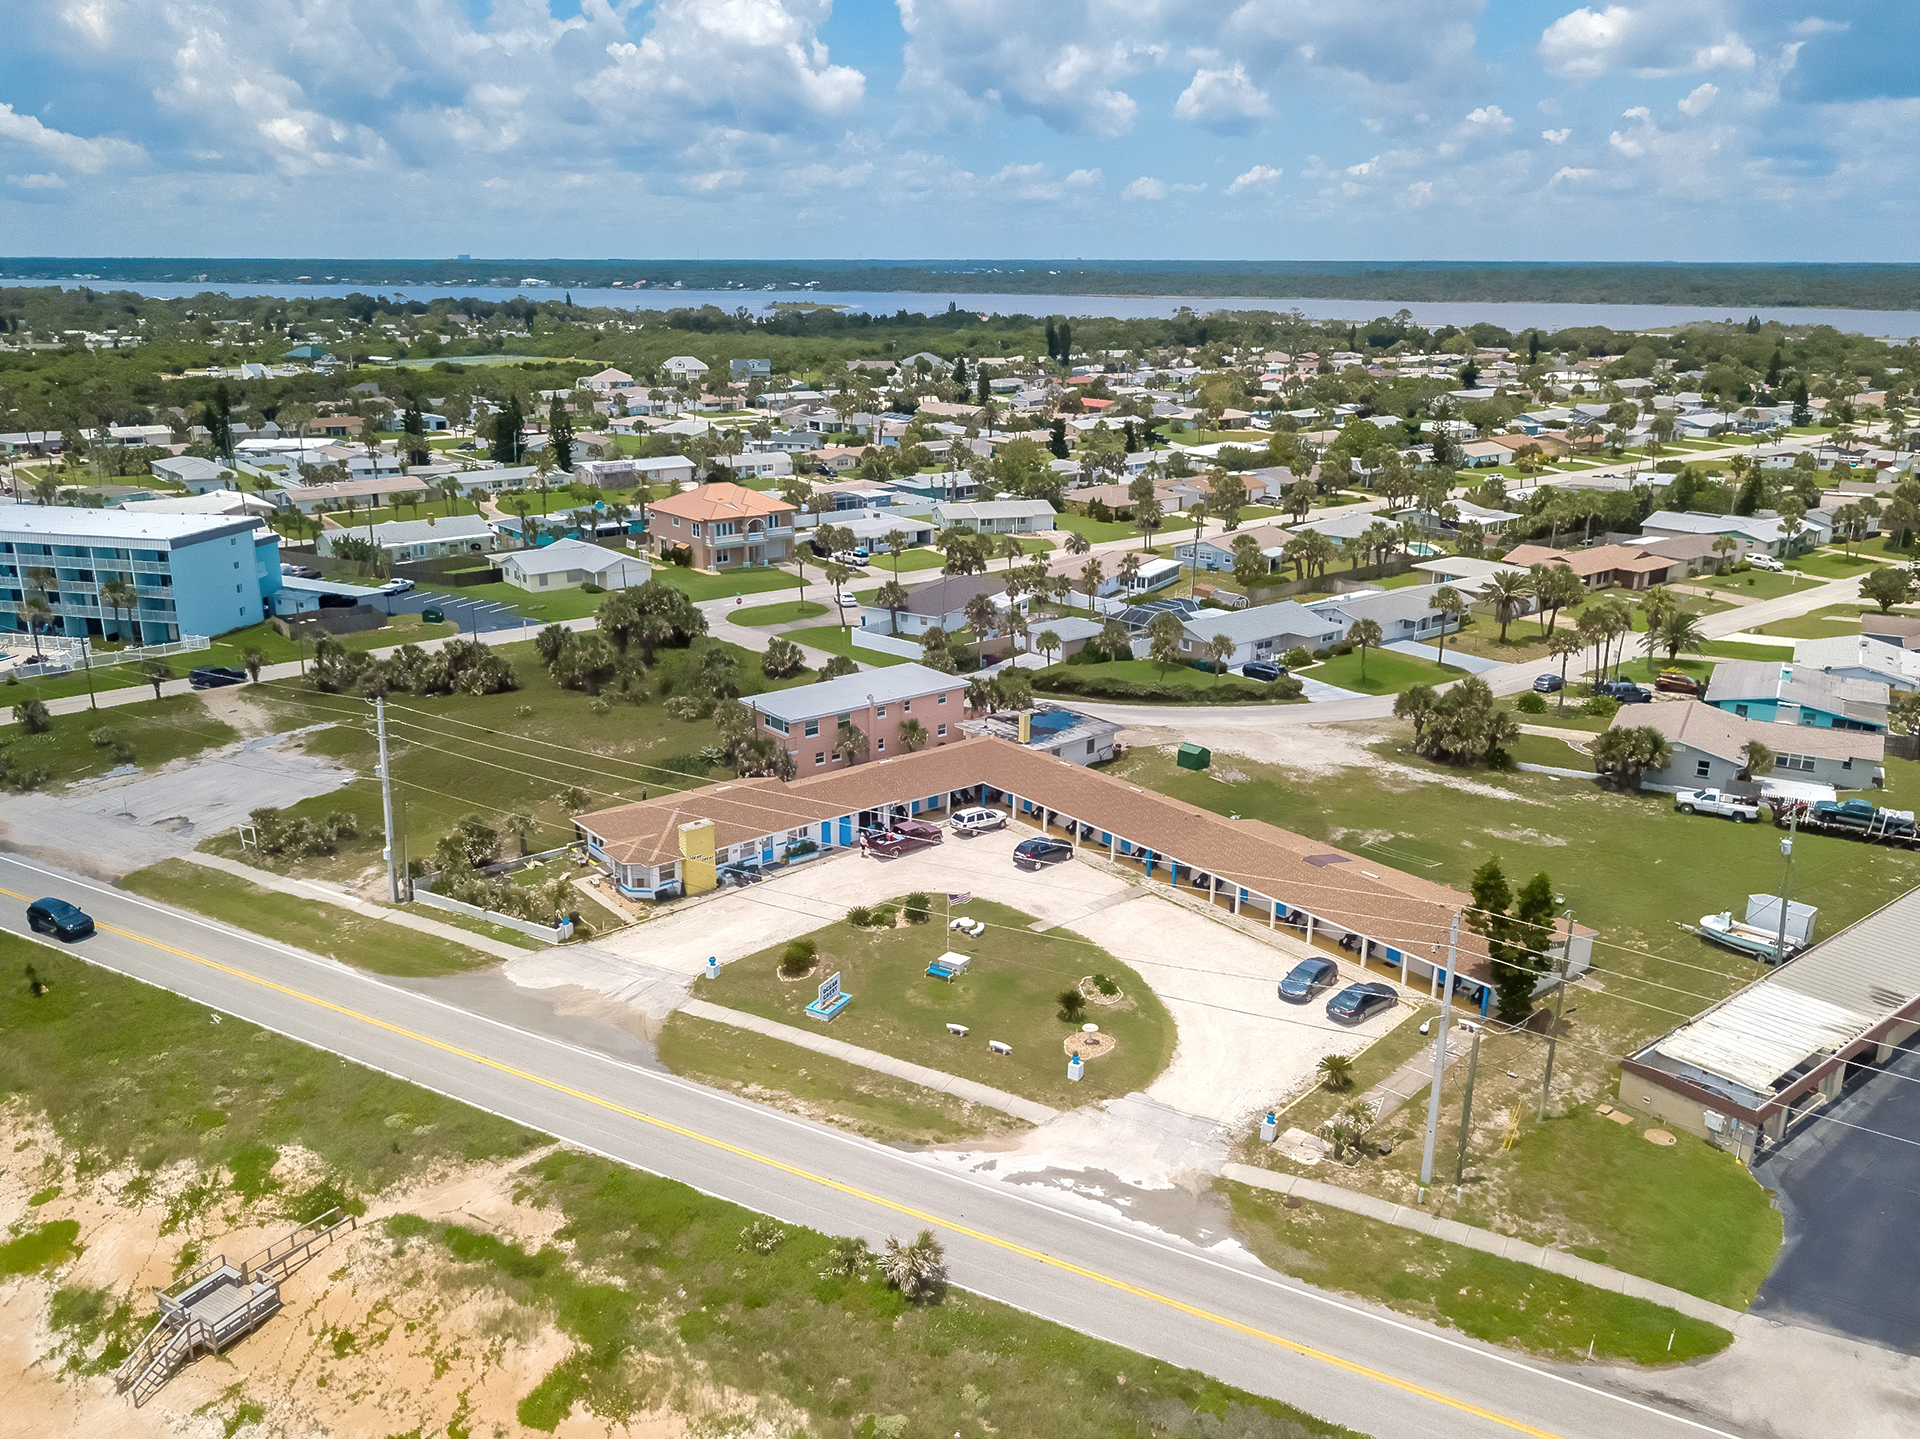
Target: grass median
x=352 y=938
x=1500 y=1301
x=878 y=1106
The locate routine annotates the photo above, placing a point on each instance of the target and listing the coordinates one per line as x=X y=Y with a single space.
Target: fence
x=886 y=644
x=423 y=894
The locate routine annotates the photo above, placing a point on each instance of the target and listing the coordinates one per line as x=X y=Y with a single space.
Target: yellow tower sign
x=696 y=856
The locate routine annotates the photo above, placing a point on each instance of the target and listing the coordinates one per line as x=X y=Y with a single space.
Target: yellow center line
x=907 y=1210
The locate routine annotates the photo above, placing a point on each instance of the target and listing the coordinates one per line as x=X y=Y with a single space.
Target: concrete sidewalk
x=330 y=894
x=1455 y=659
x=1554 y=1261
x=1028 y=1109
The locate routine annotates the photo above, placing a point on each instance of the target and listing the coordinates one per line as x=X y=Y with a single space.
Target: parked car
x=918 y=829
x=1263 y=670
x=1359 y=1001
x=1038 y=853
x=396 y=587
x=1675 y=682
x=846 y=601
x=58 y=918
x=1548 y=684
x=976 y=821
x=905 y=837
x=1626 y=691
x=1308 y=978
x=1862 y=815
x=1714 y=801
x=1767 y=563
x=213 y=677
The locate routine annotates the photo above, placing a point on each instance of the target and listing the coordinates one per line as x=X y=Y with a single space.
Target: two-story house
x=724 y=526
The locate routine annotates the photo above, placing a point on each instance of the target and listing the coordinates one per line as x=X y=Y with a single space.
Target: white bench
x=994 y=1046
x=959 y=1029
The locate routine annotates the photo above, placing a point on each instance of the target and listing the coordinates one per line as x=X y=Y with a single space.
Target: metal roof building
x=1743 y=1073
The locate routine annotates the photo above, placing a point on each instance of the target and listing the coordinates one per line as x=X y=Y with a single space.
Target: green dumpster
x=1193 y=756
x=433 y=617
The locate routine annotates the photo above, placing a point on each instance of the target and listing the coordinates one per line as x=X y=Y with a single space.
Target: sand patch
x=1318 y=751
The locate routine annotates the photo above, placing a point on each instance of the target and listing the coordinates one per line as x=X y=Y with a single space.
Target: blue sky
x=1268 y=129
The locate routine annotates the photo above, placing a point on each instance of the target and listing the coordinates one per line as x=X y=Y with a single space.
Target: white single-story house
x=1861 y=657
x=626 y=473
x=1262 y=632
x=408 y=540
x=996 y=517
x=196 y=474
x=1216 y=553
x=567 y=564
x=1707 y=748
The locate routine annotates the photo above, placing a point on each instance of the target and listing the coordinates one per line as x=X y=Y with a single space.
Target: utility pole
x=386 y=796
x=1439 y=1059
x=1559 y=996
x=1786 y=887
x=1466 y=1112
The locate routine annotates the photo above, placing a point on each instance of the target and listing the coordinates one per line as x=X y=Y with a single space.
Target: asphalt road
x=1216 y=1312
x=1852 y=1204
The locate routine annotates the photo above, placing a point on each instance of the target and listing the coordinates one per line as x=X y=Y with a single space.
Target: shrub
x=1061 y=679
x=1343 y=648
x=1297 y=656
x=1105 y=986
x=105 y=737
x=1531 y=702
x=881 y=918
x=918 y=907
x=1336 y=1071
x=1602 y=706
x=860 y=916
x=799 y=957
x=1323 y=653
x=1073 y=1004
x=33 y=716
x=593 y=589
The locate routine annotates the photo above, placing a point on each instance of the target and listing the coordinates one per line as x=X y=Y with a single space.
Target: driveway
x=1851 y=1198
x=1460 y=660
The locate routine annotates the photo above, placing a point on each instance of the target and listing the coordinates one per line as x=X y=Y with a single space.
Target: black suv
x=1263 y=670
x=1037 y=853
x=59 y=919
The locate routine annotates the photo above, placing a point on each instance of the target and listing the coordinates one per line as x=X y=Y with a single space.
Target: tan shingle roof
x=1340 y=888
x=721 y=502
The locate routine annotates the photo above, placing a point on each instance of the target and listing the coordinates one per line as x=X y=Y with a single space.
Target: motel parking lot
x=1241 y=1048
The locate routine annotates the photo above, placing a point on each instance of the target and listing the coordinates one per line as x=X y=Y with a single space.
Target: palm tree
x=1128 y=571
x=1451 y=604
x=518 y=827
x=1592 y=629
x=1678 y=631
x=981 y=614
x=1759 y=759
x=1010 y=548
x=837 y=576
x=892 y=597
x=120 y=597
x=1336 y=1071
x=1509 y=591
x=1220 y=650
x=39 y=613
x=1563 y=645
x=896 y=544
x=1092 y=575
x=1077 y=543
x=1657 y=604
x=1365 y=634
x=918 y=1270
x=1047 y=641
x=913 y=736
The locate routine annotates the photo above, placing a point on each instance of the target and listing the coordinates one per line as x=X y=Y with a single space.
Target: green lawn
x=1835 y=564
x=785 y=612
x=326 y=929
x=1735 y=650
x=910 y=561
x=836 y=640
x=1384 y=672
x=1100 y=531
x=159 y=731
x=1500 y=1301
x=1826 y=623
x=1759 y=584
x=655 y=1290
x=699 y=585
x=1007 y=995
x=889 y=1110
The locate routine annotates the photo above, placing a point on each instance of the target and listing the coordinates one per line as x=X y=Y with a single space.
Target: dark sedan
x=1037 y=853
x=1263 y=670
x=1361 y=1001
x=1308 y=978
x=1548 y=684
x=59 y=919
x=213 y=677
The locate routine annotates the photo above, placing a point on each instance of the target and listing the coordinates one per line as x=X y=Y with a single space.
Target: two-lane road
x=1213 y=1311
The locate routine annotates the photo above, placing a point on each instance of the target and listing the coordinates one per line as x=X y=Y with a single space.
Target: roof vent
x=1321 y=861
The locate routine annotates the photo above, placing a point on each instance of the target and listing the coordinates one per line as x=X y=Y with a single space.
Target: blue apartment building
x=191 y=574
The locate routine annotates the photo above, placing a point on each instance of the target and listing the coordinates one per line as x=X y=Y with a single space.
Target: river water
x=1510 y=315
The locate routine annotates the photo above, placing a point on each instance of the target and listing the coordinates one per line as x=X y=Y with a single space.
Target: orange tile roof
x=720 y=501
x=1338 y=887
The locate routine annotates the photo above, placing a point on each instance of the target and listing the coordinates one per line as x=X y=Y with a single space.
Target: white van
x=977 y=821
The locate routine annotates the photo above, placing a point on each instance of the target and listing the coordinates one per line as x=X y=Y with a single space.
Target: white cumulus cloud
x=1224 y=100
x=1555 y=137
x=1701 y=97
x=1260 y=177
x=1673 y=37
x=1491 y=118
x=76 y=152
x=1145 y=188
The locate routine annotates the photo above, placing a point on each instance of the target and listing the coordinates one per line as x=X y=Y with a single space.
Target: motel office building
x=661 y=848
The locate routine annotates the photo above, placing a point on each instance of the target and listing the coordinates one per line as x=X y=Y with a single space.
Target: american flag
x=958 y=898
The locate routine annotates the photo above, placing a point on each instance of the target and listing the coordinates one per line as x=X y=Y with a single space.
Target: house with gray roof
x=995 y=517
x=405 y=541
x=1788 y=692
x=1260 y=632
x=1403 y=614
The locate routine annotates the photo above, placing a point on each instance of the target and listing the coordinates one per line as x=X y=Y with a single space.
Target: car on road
x=1767 y=563
x=1548 y=684
x=213 y=677
x=1308 y=978
x=846 y=601
x=1678 y=682
x=1361 y=1001
x=1263 y=670
x=58 y=918
x=977 y=821
x=1038 y=853
x=1714 y=801
x=397 y=587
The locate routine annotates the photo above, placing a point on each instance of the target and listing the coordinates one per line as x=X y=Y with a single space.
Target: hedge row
x=1227 y=690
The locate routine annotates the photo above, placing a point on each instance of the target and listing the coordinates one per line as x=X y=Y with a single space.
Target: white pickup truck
x=1713 y=801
